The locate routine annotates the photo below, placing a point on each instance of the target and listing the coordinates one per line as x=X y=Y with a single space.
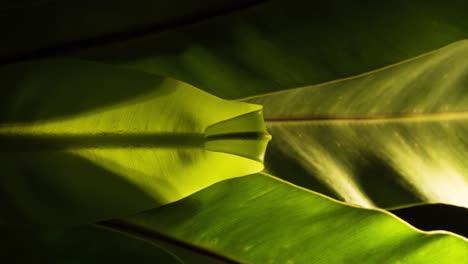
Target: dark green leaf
x=37 y=28
x=283 y=44
x=86 y=244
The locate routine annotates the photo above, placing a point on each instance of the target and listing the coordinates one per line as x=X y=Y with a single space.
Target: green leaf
x=43 y=27
x=283 y=44
x=82 y=141
x=388 y=138
x=260 y=219
x=85 y=244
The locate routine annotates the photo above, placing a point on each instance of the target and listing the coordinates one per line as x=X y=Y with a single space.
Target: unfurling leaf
x=82 y=141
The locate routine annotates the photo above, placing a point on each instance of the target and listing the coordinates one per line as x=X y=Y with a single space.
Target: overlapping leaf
x=85 y=244
x=82 y=141
x=67 y=155
x=269 y=221
x=35 y=28
x=388 y=138
x=283 y=44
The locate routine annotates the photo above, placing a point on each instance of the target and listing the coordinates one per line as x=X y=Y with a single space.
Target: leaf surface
x=260 y=219
x=84 y=244
x=283 y=44
x=389 y=138
x=36 y=28
x=82 y=141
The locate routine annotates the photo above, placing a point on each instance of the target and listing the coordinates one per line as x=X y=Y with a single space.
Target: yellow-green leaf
x=82 y=141
x=388 y=138
x=260 y=219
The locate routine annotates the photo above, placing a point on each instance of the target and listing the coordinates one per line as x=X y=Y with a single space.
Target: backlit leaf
x=389 y=138
x=81 y=141
x=260 y=219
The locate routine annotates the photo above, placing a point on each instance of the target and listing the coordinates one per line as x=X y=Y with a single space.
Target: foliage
x=110 y=149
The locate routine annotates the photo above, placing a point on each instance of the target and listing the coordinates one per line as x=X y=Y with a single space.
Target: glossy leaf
x=266 y=220
x=389 y=138
x=284 y=44
x=82 y=141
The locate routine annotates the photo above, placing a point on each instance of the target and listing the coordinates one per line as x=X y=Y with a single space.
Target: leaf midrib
x=61 y=141
x=391 y=118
